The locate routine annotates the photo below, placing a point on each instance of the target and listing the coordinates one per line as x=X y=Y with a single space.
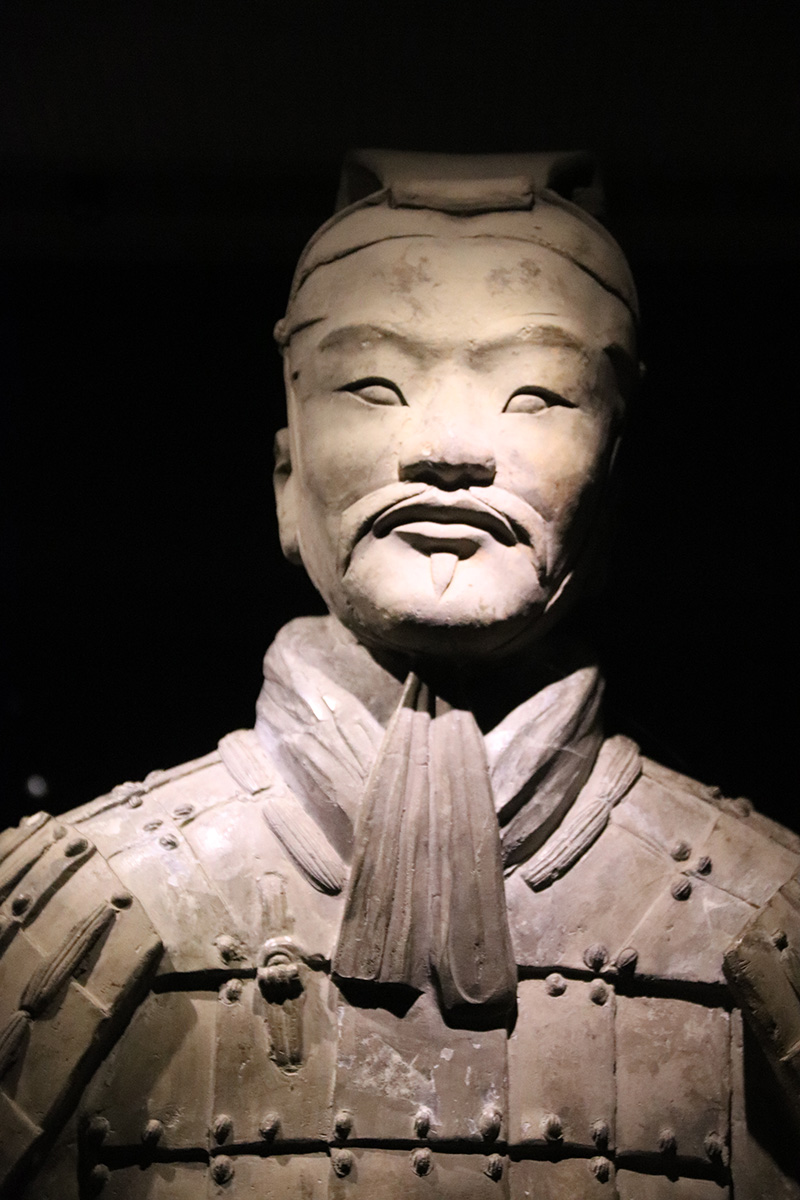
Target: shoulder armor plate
x=77 y=953
x=763 y=969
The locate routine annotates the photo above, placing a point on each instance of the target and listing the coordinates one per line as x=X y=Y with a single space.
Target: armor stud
x=599 y=993
x=230 y=949
x=555 y=984
x=422 y=1161
x=494 y=1167
x=667 y=1142
x=183 y=811
x=595 y=957
x=98 y=1178
x=715 y=1148
x=704 y=865
x=600 y=1167
x=20 y=903
x=627 y=959
x=600 y=1134
x=681 y=851
x=681 y=889
x=779 y=939
x=222 y=1169
x=343 y=1123
x=76 y=846
x=489 y=1123
x=231 y=991
x=96 y=1129
x=168 y=841
x=222 y=1127
x=122 y=900
x=269 y=1126
x=342 y=1162
x=151 y=826
x=552 y=1127
x=152 y=1132
x=422 y=1122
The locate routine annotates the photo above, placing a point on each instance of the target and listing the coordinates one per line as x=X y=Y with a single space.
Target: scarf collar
x=326 y=703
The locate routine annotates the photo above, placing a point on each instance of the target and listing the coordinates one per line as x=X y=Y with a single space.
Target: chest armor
x=247 y=1072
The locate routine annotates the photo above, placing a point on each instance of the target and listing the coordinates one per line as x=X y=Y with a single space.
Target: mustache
x=510 y=519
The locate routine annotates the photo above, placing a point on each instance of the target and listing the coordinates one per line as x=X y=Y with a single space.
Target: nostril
x=474 y=472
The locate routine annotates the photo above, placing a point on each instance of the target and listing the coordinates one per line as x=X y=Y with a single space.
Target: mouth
x=431 y=517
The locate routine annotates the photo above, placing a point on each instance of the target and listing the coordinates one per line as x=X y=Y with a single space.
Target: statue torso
x=241 y=1068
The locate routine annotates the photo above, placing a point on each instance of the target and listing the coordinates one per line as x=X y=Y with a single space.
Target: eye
x=534 y=400
x=375 y=391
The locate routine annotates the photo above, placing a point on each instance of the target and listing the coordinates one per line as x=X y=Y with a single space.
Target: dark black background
x=160 y=169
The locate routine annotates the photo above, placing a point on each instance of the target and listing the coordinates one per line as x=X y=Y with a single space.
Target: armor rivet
x=222 y=1127
x=779 y=940
x=134 y=801
x=715 y=1147
x=151 y=825
x=422 y=1161
x=600 y=1168
x=168 y=841
x=269 y=1126
x=222 y=1169
x=20 y=903
x=704 y=865
x=627 y=959
x=76 y=846
x=489 y=1123
x=494 y=1167
x=342 y=1162
x=555 y=985
x=228 y=949
x=122 y=900
x=595 y=957
x=58 y=833
x=681 y=888
x=681 y=851
x=667 y=1142
x=552 y=1128
x=98 y=1178
x=741 y=807
x=343 y=1123
x=183 y=810
x=96 y=1129
x=232 y=991
x=599 y=993
x=422 y=1122
x=600 y=1134
x=151 y=1134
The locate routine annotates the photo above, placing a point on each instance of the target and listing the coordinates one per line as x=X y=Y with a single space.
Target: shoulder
x=672 y=880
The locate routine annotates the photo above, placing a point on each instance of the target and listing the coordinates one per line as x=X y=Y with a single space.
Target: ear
x=285 y=484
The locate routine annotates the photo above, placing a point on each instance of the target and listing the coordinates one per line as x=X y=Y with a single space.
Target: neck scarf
x=421 y=816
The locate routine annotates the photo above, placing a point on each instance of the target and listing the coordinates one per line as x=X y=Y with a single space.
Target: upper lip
x=457 y=508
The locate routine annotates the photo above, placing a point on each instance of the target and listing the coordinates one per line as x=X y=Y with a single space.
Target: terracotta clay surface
x=426 y=929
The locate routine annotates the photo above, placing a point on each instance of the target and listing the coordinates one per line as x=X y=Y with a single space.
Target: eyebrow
x=536 y=335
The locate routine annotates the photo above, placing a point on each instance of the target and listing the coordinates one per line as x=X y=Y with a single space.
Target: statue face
x=452 y=418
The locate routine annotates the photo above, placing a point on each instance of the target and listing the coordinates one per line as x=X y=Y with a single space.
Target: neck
x=488 y=688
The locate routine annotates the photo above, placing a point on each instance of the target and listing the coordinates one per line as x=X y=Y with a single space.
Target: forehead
x=453 y=290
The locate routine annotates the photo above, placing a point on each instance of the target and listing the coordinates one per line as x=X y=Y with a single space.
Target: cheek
x=556 y=459
x=342 y=454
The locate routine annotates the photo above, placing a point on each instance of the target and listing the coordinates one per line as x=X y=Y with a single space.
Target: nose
x=448 y=462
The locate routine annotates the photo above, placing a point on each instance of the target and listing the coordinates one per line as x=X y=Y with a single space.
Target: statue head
x=459 y=346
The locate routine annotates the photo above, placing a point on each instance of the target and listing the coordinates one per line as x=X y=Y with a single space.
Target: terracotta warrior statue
x=426 y=930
